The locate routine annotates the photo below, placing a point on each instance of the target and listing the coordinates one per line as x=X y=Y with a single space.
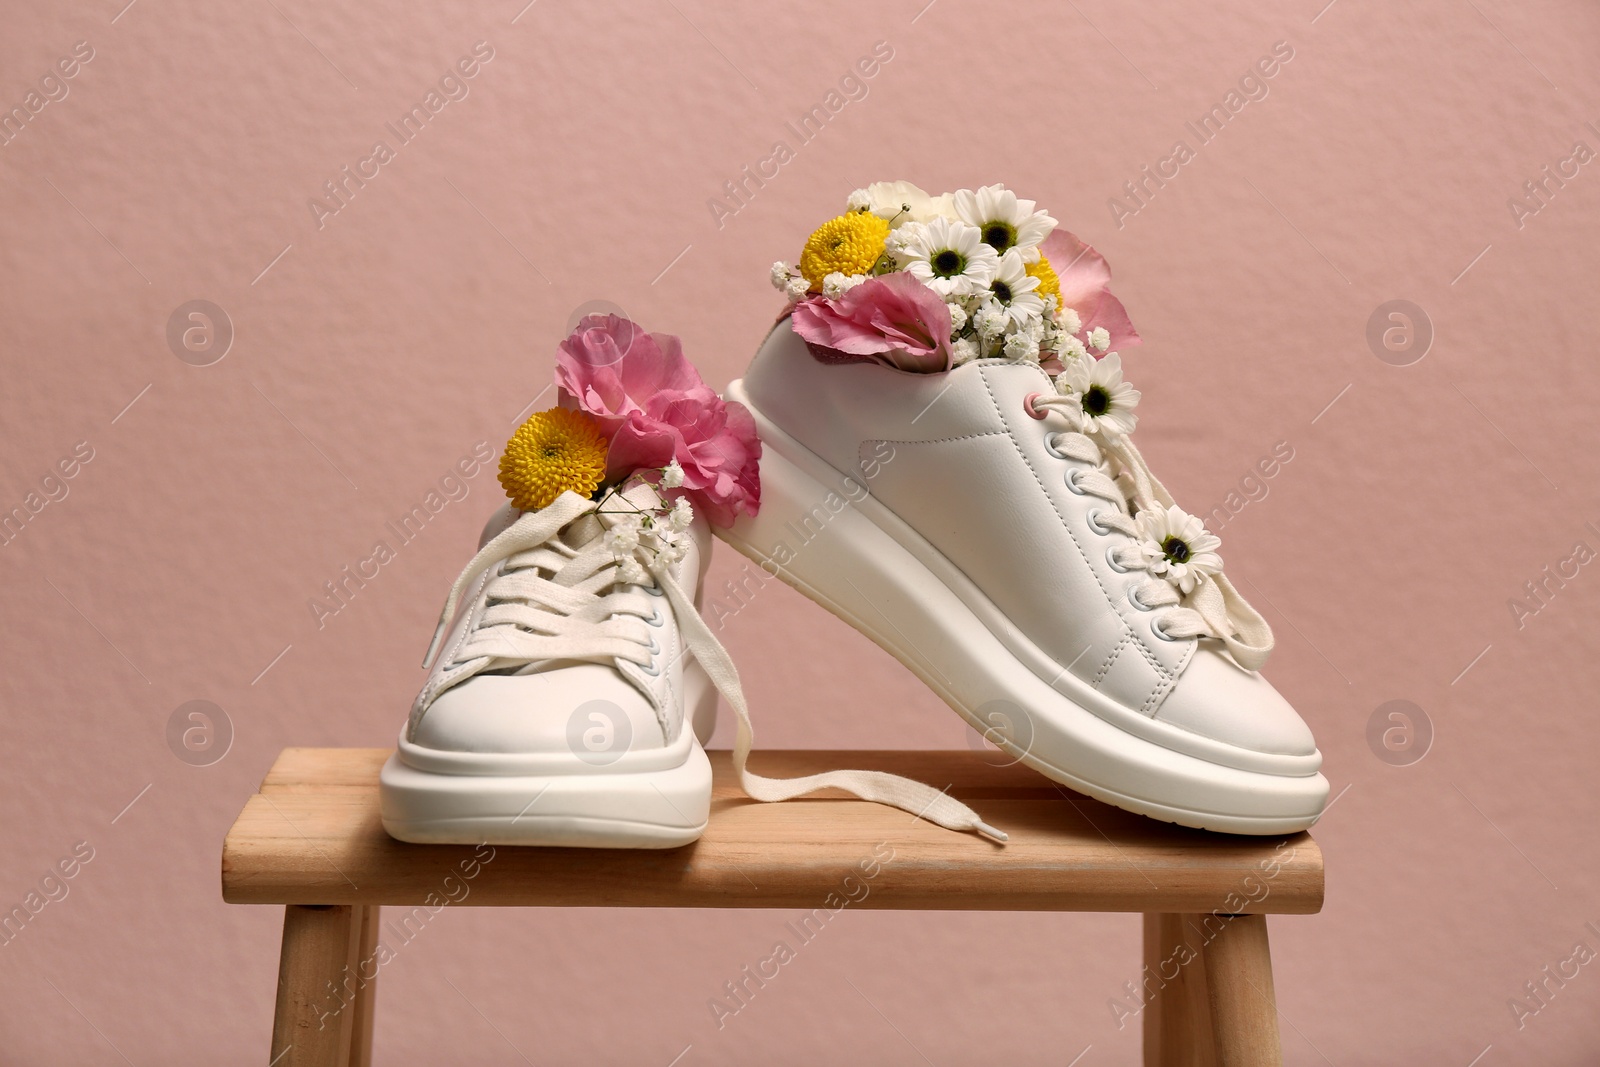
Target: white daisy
x=1013 y=288
x=950 y=257
x=900 y=203
x=1004 y=221
x=1177 y=547
x=1105 y=402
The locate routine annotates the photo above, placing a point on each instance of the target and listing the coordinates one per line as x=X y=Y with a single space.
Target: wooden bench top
x=312 y=836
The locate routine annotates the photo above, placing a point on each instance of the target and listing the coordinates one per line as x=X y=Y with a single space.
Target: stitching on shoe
x=983 y=376
x=1127 y=627
x=1112 y=658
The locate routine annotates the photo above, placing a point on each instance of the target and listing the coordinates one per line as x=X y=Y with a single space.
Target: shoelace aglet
x=433 y=647
x=998 y=836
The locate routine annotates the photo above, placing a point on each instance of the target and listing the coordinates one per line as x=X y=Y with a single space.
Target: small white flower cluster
x=642 y=536
x=974 y=249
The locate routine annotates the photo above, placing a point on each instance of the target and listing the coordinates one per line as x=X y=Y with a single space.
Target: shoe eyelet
x=656 y=618
x=1027 y=405
x=1072 y=482
x=653 y=590
x=653 y=670
x=1111 y=558
x=1093 y=519
x=655 y=649
x=1160 y=631
x=1050 y=446
x=1138 y=604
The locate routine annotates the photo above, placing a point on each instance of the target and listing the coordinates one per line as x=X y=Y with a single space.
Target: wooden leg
x=313 y=1022
x=1177 y=1020
x=362 y=964
x=1244 y=1008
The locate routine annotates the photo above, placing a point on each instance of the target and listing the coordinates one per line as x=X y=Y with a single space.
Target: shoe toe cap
x=1217 y=699
x=582 y=709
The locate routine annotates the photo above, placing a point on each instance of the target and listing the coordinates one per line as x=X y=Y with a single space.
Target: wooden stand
x=311 y=840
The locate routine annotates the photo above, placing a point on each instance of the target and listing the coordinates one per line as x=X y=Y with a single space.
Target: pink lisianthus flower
x=892 y=319
x=653 y=407
x=1086 y=288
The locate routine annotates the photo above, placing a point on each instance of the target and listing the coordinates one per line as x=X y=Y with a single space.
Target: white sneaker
x=960 y=521
x=561 y=708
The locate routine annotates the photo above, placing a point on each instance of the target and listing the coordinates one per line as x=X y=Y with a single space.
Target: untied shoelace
x=579 y=631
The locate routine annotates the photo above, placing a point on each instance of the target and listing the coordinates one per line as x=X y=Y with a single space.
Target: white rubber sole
x=578 y=806
x=811 y=534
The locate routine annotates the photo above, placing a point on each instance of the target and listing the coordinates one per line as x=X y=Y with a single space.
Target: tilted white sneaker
x=991 y=525
x=561 y=709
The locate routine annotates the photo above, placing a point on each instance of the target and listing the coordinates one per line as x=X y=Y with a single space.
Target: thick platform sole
x=587 y=807
x=811 y=534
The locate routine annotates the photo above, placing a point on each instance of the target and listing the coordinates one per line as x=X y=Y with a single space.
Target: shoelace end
x=997 y=836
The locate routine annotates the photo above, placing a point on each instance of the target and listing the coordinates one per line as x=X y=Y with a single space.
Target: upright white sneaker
x=965 y=493
x=560 y=709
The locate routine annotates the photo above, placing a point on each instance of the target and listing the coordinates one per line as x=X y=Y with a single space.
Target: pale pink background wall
x=371 y=353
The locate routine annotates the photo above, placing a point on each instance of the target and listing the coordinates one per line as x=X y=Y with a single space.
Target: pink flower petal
x=1086 y=288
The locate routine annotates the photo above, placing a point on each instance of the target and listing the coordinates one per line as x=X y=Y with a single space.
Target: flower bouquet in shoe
x=948 y=371
x=572 y=682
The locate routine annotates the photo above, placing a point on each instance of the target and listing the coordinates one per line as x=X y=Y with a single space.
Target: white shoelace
x=582 y=611
x=1215 y=608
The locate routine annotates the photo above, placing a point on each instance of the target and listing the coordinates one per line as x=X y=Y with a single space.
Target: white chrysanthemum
x=958 y=317
x=1013 y=288
x=1104 y=402
x=1022 y=348
x=1072 y=348
x=1099 y=339
x=990 y=320
x=901 y=202
x=858 y=201
x=963 y=351
x=681 y=517
x=1068 y=320
x=672 y=475
x=781 y=275
x=1004 y=221
x=1177 y=547
x=836 y=284
x=950 y=258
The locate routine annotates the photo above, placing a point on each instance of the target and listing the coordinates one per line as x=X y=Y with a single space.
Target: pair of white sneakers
x=969 y=521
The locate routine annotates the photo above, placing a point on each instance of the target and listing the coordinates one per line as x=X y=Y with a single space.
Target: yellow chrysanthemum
x=849 y=244
x=552 y=452
x=1049 y=284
